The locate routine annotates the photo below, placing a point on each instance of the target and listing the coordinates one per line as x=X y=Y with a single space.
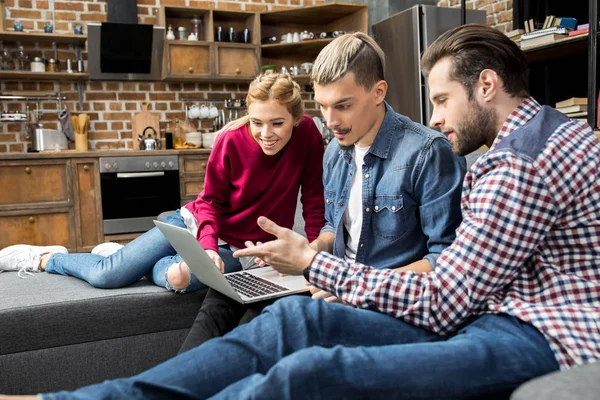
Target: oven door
x=132 y=200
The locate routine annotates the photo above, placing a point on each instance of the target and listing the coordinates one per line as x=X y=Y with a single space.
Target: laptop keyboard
x=252 y=286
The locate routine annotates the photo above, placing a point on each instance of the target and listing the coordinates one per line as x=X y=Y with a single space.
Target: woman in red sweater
x=258 y=165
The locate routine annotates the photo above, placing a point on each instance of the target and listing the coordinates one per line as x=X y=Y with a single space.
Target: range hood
x=122 y=49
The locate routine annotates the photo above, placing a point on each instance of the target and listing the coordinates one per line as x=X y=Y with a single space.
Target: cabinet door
x=29 y=184
x=51 y=227
x=240 y=61
x=189 y=59
x=88 y=209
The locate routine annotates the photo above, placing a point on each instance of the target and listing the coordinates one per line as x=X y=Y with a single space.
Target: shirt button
x=350 y=174
x=393 y=208
x=340 y=204
x=366 y=175
x=376 y=208
x=362 y=245
x=367 y=209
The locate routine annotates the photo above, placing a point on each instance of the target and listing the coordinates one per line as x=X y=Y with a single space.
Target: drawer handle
x=85 y=168
x=27 y=170
x=31 y=220
x=191 y=70
x=203 y=165
x=237 y=71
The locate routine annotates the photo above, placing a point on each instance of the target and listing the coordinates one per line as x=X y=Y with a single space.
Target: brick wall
x=111 y=104
x=499 y=12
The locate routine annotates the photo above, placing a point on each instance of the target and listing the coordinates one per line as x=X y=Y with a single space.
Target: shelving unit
x=329 y=17
x=210 y=60
x=557 y=70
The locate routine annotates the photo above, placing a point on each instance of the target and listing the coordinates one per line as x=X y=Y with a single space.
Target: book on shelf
x=572 y=109
x=540 y=40
x=515 y=34
x=579 y=32
x=577 y=114
x=573 y=101
x=567 y=22
x=544 y=32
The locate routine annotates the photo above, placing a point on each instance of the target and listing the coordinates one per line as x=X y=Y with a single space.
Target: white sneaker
x=24 y=258
x=106 y=249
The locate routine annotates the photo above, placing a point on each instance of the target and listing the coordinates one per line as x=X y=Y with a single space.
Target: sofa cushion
x=47 y=310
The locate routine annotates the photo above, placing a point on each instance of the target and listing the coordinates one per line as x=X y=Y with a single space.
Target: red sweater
x=242 y=183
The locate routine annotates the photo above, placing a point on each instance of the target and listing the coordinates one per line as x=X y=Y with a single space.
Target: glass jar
x=37 y=65
x=22 y=60
x=52 y=65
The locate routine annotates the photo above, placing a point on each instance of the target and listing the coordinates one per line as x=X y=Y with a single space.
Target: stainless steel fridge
x=403 y=38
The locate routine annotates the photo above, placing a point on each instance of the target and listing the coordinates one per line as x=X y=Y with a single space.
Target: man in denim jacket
x=392 y=186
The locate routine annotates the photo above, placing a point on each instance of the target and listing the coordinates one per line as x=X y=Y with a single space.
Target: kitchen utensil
x=148 y=142
x=65 y=121
x=48 y=139
x=141 y=121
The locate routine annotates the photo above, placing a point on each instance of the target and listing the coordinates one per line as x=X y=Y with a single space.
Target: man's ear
x=379 y=91
x=489 y=85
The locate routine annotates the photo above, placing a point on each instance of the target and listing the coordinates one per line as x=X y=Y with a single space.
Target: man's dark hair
x=475 y=47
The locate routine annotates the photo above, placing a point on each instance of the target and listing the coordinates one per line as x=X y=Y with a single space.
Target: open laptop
x=245 y=286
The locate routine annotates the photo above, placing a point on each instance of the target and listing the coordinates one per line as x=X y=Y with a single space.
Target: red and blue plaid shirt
x=528 y=246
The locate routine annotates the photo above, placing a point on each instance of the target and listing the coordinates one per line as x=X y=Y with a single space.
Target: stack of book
x=543 y=36
x=575 y=107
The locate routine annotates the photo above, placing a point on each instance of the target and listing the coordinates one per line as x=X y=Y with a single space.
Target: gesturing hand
x=290 y=254
x=216 y=258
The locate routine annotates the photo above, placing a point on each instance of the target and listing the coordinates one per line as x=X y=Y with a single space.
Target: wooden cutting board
x=141 y=121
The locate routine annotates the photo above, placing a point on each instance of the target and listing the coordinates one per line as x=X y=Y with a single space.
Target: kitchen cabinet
x=192 y=169
x=36 y=203
x=88 y=209
x=209 y=59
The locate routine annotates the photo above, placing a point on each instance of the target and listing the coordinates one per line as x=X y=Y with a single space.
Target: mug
x=296 y=37
x=233 y=35
x=294 y=70
x=245 y=36
x=203 y=111
x=194 y=112
x=213 y=111
x=220 y=34
x=306 y=35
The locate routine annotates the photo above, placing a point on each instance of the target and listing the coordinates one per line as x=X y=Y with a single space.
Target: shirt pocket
x=330 y=206
x=389 y=219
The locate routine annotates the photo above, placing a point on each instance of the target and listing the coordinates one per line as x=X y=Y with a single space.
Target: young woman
x=257 y=167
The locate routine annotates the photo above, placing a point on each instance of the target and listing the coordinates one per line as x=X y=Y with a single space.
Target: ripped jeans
x=149 y=255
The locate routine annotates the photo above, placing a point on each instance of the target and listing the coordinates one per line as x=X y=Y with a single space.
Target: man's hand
x=290 y=254
x=321 y=294
x=216 y=258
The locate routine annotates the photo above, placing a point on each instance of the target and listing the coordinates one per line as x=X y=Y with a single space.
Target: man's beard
x=474 y=131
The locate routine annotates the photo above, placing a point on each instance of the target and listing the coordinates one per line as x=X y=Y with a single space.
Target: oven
x=136 y=189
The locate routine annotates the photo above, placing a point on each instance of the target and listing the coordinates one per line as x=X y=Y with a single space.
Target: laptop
x=244 y=287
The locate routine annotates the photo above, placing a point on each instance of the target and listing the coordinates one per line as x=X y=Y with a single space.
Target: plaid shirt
x=528 y=246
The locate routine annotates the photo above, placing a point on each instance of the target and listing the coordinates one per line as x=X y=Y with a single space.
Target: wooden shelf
x=208 y=79
x=302 y=78
x=42 y=37
x=559 y=49
x=44 y=76
x=319 y=14
x=308 y=46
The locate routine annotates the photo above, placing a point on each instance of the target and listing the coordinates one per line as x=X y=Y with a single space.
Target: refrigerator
x=403 y=38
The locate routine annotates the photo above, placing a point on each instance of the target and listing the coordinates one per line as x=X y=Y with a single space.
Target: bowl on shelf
x=208 y=140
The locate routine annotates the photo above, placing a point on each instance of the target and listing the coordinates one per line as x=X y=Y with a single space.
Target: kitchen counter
x=92 y=154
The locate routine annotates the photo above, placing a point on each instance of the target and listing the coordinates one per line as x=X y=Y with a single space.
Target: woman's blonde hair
x=352 y=52
x=271 y=86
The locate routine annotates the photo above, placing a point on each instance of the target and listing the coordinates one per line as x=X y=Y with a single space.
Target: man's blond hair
x=352 y=52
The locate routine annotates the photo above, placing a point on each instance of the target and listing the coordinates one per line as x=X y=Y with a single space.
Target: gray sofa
x=58 y=332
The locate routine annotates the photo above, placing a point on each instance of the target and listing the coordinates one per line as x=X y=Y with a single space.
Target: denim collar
x=382 y=143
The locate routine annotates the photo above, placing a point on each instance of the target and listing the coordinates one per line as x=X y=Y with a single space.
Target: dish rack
x=29 y=115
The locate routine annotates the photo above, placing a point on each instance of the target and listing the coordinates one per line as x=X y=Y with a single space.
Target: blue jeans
x=149 y=255
x=302 y=348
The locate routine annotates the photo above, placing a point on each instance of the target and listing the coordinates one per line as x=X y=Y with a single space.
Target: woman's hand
x=216 y=258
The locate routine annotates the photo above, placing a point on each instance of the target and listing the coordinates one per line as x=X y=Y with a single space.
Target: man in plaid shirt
x=517 y=294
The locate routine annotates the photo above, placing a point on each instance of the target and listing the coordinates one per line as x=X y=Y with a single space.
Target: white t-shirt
x=353 y=216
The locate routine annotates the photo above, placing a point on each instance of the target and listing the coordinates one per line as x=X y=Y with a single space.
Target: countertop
x=93 y=154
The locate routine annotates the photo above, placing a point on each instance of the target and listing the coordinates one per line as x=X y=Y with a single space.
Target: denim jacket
x=411 y=192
